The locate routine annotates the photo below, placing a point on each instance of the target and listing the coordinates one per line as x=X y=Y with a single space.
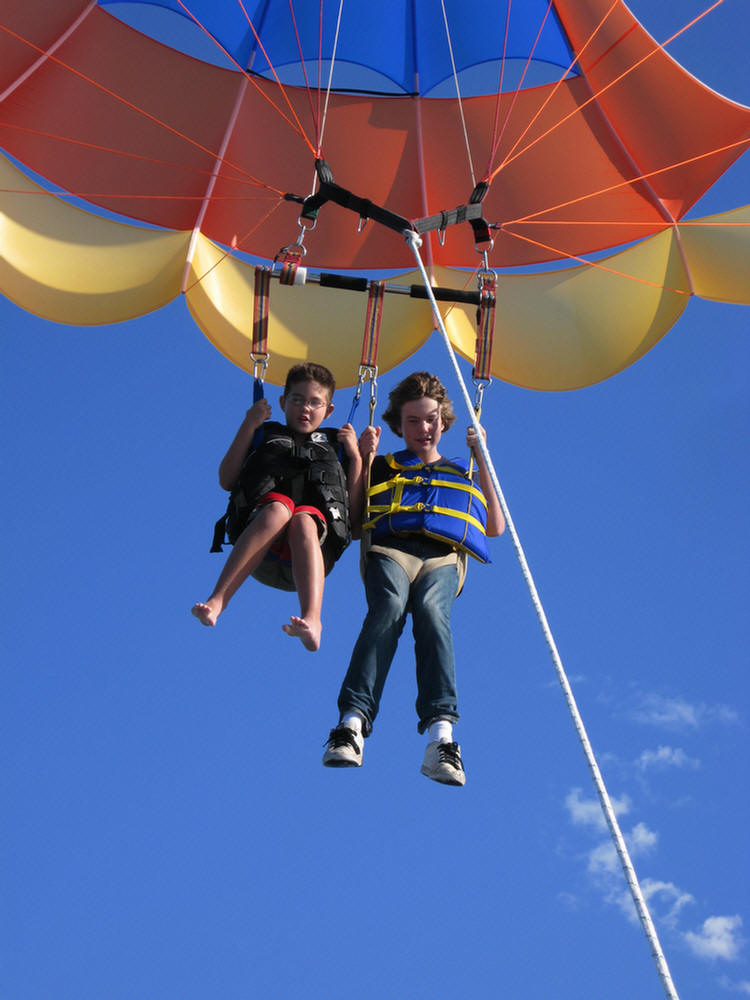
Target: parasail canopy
x=218 y=160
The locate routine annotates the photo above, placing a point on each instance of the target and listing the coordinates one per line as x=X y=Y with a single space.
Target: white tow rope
x=412 y=238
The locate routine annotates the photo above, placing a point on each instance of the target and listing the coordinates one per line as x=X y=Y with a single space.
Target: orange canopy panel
x=140 y=129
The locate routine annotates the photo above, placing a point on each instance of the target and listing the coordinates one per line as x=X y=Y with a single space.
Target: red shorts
x=281 y=548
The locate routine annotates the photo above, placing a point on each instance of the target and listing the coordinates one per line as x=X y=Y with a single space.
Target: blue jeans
x=390 y=597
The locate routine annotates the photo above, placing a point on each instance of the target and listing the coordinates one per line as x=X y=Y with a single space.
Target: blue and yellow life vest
x=436 y=500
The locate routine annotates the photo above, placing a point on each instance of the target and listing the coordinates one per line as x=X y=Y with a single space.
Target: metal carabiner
x=297 y=250
x=369 y=373
x=260 y=365
x=480 y=384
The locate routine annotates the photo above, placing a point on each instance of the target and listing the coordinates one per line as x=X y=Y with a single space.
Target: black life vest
x=309 y=470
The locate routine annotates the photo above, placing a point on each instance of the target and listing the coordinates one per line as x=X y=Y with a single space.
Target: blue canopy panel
x=394 y=47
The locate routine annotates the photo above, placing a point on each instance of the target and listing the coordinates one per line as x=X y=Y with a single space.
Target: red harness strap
x=485 y=326
x=260 y=312
x=372 y=324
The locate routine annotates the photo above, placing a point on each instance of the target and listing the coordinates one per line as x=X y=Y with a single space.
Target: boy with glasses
x=288 y=515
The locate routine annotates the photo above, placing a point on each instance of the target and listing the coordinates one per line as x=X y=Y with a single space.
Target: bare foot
x=308 y=634
x=206 y=613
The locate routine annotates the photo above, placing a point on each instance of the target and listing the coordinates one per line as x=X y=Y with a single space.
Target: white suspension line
x=324 y=116
x=458 y=93
x=330 y=72
x=412 y=238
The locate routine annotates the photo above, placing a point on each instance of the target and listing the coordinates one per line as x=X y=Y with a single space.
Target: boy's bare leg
x=247 y=553
x=309 y=575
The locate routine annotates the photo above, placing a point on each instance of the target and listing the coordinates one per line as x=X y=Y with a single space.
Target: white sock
x=352 y=720
x=441 y=731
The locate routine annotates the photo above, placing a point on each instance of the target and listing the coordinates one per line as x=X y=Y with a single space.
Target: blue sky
x=171 y=832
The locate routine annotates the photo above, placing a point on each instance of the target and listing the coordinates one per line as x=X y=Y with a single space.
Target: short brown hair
x=308 y=371
x=417 y=386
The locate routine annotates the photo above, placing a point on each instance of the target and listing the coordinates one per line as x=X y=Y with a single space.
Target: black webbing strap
x=366 y=209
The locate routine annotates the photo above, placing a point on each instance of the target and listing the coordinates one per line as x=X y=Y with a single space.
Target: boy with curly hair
x=425 y=516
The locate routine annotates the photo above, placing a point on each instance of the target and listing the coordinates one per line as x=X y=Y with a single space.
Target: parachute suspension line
x=46 y=53
x=597 y=264
x=133 y=107
x=294 y=121
x=644 y=177
x=495 y=142
x=320 y=121
x=330 y=73
x=458 y=94
x=658 y=47
x=497 y=139
x=417 y=99
x=554 y=90
x=412 y=238
x=212 y=181
x=315 y=117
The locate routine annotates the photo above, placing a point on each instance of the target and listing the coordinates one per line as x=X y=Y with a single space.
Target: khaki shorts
x=413 y=566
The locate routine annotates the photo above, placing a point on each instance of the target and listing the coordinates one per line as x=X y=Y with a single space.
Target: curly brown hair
x=308 y=371
x=417 y=386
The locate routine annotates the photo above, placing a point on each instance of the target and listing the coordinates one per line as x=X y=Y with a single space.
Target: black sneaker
x=344 y=748
x=442 y=762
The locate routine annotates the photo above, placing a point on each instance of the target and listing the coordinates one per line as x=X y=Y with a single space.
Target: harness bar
x=352 y=283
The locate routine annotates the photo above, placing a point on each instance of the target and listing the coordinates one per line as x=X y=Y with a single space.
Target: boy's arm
x=347 y=438
x=231 y=464
x=495 y=518
x=368 y=449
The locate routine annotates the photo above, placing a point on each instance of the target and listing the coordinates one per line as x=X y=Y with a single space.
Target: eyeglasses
x=312 y=404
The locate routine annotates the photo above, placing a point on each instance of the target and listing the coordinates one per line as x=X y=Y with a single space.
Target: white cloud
x=641 y=839
x=588 y=812
x=677 y=713
x=663 y=899
x=741 y=987
x=666 y=893
x=569 y=900
x=604 y=860
x=719 y=937
x=664 y=757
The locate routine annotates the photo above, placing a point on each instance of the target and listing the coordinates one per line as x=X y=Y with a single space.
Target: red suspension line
x=600 y=267
x=658 y=47
x=497 y=139
x=247 y=179
x=628 y=183
x=124 y=101
x=552 y=93
x=294 y=121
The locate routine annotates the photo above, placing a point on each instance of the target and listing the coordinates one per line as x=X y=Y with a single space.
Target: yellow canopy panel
x=718 y=253
x=67 y=265
x=554 y=330
x=306 y=323
x=571 y=328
